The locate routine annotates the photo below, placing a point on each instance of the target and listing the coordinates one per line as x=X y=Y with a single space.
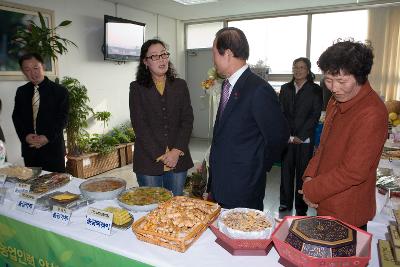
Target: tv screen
x=122 y=39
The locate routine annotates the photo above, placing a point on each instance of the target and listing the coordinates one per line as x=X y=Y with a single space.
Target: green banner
x=25 y=245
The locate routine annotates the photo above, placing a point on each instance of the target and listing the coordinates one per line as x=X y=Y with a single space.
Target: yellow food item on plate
x=120 y=216
x=392 y=116
x=64 y=197
x=396 y=122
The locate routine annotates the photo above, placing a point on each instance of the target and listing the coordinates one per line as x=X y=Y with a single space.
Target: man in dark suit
x=250 y=130
x=40 y=115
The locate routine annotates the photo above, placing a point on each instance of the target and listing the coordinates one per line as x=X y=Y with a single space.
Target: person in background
x=40 y=116
x=162 y=117
x=301 y=103
x=2 y=138
x=340 y=179
x=250 y=130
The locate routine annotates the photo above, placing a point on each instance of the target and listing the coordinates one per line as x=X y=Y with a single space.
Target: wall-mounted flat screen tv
x=122 y=39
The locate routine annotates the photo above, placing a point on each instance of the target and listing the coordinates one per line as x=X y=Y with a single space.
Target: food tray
x=46 y=202
x=35 y=173
x=239 y=234
x=48 y=182
x=139 y=208
x=180 y=244
x=242 y=247
x=102 y=195
x=124 y=226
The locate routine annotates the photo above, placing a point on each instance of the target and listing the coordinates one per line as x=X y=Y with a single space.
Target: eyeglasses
x=157 y=57
x=299 y=68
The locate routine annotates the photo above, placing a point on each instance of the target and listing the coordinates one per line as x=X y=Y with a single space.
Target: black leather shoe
x=283 y=208
x=301 y=213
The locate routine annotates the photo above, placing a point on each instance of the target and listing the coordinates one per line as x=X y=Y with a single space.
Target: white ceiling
x=236 y=8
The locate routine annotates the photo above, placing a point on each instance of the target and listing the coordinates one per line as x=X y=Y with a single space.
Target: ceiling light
x=194 y=2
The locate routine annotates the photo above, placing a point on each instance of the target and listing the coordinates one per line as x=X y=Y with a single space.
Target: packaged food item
x=322 y=237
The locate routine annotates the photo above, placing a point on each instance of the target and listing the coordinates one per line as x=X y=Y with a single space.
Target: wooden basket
x=121 y=148
x=88 y=165
x=129 y=152
x=177 y=244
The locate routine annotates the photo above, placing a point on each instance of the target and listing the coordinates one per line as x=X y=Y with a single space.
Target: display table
x=43 y=239
x=37 y=240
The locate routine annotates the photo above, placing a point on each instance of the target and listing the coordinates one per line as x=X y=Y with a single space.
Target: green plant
x=103 y=116
x=128 y=131
x=83 y=142
x=119 y=134
x=41 y=39
x=79 y=111
x=102 y=144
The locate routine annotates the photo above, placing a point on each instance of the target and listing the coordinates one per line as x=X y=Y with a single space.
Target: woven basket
x=88 y=165
x=129 y=152
x=177 y=244
x=122 y=154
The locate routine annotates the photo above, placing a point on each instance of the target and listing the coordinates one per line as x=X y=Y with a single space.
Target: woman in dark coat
x=162 y=117
x=301 y=102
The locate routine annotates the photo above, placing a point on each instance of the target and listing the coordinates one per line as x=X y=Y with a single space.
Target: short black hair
x=143 y=75
x=351 y=57
x=30 y=56
x=234 y=39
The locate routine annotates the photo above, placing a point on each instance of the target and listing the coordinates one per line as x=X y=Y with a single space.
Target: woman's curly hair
x=350 y=57
x=143 y=75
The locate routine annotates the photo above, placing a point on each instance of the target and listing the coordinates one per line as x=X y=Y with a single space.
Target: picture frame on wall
x=12 y=17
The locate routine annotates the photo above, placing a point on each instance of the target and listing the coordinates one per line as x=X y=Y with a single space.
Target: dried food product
x=22 y=173
x=246 y=221
x=145 y=196
x=178 y=217
x=47 y=182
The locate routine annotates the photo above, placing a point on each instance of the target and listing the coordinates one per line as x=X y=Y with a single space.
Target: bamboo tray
x=180 y=244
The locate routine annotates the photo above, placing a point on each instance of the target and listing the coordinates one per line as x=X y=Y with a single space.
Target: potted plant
x=101 y=151
x=79 y=111
x=103 y=116
x=41 y=39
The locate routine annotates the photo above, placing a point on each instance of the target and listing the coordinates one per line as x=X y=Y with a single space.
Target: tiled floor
x=198 y=150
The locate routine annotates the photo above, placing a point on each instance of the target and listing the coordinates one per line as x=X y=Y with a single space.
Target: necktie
x=35 y=104
x=224 y=96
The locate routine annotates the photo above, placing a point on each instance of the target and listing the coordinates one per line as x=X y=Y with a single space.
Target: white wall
x=106 y=81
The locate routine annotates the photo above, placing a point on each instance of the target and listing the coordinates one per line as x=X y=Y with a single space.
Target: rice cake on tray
x=177 y=223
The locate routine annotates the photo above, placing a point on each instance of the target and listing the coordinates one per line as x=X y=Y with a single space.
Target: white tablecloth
x=204 y=252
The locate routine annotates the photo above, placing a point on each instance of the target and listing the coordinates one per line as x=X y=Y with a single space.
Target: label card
x=3 y=178
x=61 y=215
x=26 y=203
x=3 y=192
x=99 y=221
x=22 y=188
x=86 y=162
